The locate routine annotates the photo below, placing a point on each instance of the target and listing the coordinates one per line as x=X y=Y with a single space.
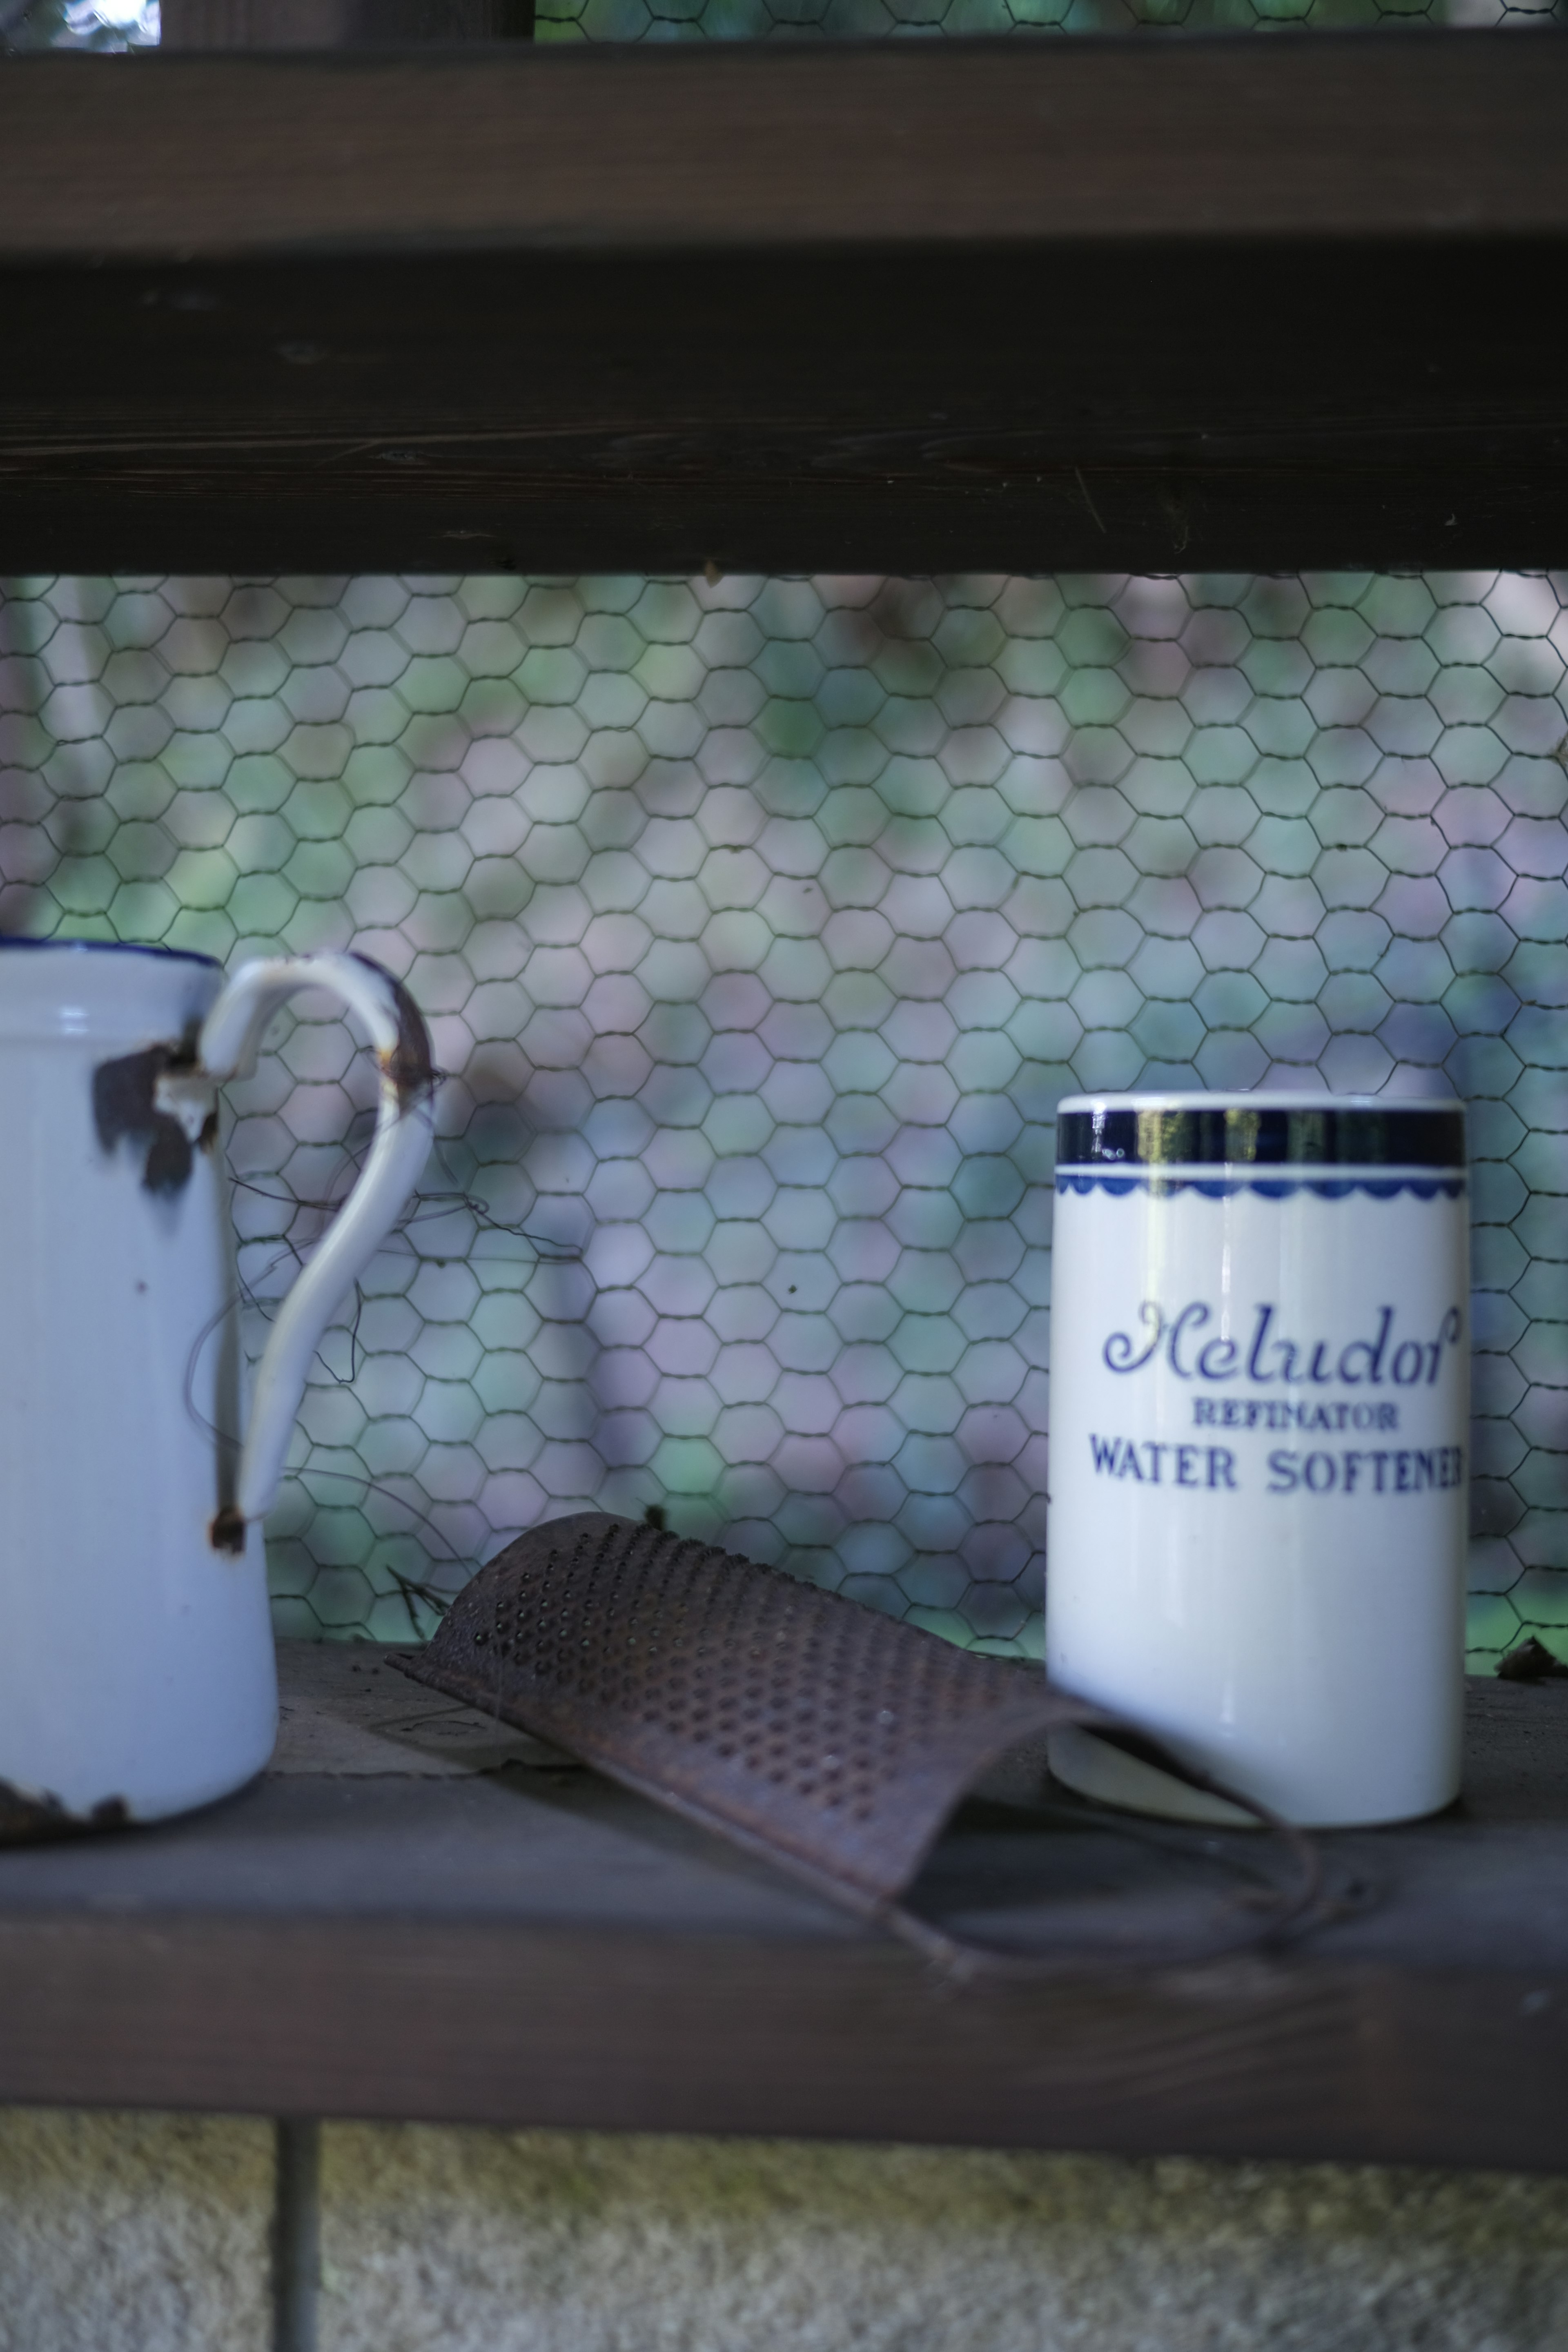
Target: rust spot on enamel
x=27 y=1819
x=408 y=1064
x=125 y=1110
x=227 y=1530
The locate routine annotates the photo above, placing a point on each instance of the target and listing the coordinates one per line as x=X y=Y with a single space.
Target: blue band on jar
x=1341 y=1135
x=1162 y=1187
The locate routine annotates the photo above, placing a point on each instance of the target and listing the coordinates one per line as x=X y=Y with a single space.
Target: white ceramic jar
x=1260 y=1407
x=136 y=1663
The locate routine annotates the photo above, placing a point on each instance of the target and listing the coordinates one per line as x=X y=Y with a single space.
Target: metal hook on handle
x=405 y=1119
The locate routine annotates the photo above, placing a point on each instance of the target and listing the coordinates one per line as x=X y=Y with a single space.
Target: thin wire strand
x=423 y=1206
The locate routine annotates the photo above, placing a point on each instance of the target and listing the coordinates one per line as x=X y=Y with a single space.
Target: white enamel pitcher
x=137 y=1675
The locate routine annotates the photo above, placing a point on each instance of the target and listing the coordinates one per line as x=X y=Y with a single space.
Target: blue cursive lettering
x=1193 y=1317
x=1272 y=1358
x=1119 y=1348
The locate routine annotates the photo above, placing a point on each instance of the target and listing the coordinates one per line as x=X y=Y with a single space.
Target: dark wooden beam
x=339 y=24
x=752 y=147
x=1009 y=305
x=658 y=2033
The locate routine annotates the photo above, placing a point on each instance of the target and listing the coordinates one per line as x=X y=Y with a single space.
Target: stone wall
x=134 y=2233
x=121 y=2233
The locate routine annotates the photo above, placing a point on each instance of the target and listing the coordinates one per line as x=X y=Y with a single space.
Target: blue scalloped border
x=1271 y=1188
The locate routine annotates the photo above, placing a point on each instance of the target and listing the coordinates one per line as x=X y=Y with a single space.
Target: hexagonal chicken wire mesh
x=655 y=20
x=760 y=925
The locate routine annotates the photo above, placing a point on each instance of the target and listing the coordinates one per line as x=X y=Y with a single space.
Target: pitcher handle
x=404 y=1123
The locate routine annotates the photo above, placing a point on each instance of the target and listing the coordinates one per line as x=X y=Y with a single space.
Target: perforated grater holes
x=829 y=1737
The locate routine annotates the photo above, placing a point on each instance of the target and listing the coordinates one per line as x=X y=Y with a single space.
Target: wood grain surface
x=1088 y=407
x=1164 y=305
x=665 y=2033
x=747 y=145
x=393 y=1933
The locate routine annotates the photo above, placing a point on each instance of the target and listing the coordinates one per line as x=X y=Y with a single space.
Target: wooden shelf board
x=407 y=1918
x=1007 y=305
x=748 y=146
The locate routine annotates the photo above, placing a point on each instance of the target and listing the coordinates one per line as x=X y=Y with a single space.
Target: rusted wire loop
x=1276 y=1914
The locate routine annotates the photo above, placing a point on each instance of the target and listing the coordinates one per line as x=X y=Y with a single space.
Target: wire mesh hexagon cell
x=653 y=20
x=760 y=924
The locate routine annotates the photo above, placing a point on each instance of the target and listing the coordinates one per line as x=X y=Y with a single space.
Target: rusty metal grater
x=825 y=1736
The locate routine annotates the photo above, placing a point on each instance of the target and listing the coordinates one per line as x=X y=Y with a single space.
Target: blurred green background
x=761 y=923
